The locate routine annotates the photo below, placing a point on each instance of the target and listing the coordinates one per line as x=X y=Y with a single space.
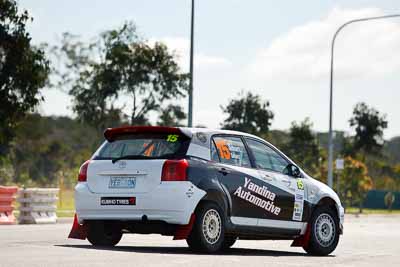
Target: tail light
x=174 y=170
x=82 y=177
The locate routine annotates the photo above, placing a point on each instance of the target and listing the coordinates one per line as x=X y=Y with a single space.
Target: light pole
x=330 y=143
x=190 y=109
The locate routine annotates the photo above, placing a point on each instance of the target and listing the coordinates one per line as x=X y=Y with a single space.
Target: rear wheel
x=105 y=234
x=324 y=234
x=208 y=230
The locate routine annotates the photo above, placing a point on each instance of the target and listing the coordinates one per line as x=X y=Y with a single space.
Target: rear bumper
x=172 y=202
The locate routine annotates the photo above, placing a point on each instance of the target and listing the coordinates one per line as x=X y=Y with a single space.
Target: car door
x=235 y=170
x=288 y=196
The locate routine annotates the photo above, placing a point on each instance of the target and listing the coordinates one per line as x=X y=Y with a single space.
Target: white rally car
x=210 y=187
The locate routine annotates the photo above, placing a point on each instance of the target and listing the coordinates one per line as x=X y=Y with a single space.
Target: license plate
x=118 y=201
x=122 y=182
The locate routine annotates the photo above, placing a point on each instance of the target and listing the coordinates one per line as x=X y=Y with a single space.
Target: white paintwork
x=268 y=223
x=147 y=173
x=122 y=173
x=317 y=191
x=199 y=151
x=172 y=202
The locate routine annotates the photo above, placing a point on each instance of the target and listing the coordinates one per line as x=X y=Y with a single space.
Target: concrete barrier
x=37 y=205
x=7 y=197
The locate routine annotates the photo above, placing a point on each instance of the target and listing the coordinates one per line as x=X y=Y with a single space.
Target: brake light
x=82 y=177
x=174 y=170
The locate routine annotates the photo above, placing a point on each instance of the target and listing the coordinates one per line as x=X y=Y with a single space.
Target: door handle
x=224 y=171
x=268 y=177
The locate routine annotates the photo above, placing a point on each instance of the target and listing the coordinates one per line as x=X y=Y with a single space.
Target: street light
x=330 y=144
x=190 y=109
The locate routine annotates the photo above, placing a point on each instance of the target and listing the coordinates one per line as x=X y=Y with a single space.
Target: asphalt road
x=369 y=240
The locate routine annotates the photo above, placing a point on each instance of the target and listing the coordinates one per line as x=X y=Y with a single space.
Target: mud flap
x=303 y=240
x=183 y=231
x=78 y=231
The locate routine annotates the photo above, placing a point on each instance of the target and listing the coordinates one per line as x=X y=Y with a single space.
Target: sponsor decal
x=190 y=192
x=118 y=201
x=299 y=197
x=298 y=201
x=246 y=191
x=300 y=184
x=202 y=137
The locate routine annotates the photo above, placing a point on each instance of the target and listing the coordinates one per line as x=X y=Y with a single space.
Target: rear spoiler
x=111 y=133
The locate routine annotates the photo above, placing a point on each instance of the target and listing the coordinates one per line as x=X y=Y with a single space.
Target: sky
x=277 y=49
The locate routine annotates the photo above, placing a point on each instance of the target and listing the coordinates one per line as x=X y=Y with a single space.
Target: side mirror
x=292 y=170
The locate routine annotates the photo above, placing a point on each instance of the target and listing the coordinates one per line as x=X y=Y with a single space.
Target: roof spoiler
x=111 y=133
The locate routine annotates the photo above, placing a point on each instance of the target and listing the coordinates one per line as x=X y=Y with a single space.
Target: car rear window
x=152 y=145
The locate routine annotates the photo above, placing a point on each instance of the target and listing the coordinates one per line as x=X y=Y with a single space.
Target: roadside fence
x=37 y=205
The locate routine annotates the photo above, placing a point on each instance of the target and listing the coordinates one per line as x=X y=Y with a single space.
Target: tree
x=120 y=64
x=45 y=146
x=24 y=70
x=354 y=182
x=172 y=115
x=303 y=147
x=248 y=113
x=369 y=125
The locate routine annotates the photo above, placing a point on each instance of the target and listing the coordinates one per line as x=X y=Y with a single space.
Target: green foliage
x=354 y=182
x=369 y=126
x=277 y=137
x=302 y=146
x=120 y=65
x=24 y=70
x=248 y=113
x=46 y=148
x=392 y=150
x=172 y=115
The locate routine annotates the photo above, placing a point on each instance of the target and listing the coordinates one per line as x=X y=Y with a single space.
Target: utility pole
x=190 y=109
x=330 y=144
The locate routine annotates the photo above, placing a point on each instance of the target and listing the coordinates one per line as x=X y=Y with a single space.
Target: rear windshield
x=151 y=145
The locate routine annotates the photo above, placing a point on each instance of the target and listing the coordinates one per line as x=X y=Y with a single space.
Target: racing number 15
x=172 y=138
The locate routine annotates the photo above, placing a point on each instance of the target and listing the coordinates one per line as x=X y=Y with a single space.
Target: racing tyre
x=208 y=230
x=104 y=234
x=324 y=232
x=229 y=241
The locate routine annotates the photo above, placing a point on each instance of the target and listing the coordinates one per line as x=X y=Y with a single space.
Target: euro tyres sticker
x=298 y=201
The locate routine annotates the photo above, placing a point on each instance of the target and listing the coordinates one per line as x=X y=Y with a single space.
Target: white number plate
x=122 y=182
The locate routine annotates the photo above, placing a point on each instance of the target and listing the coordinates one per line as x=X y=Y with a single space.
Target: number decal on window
x=172 y=138
x=223 y=148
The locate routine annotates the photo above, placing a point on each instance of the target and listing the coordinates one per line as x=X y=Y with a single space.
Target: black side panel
x=204 y=175
x=307 y=211
x=221 y=189
x=262 y=233
x=270 y=202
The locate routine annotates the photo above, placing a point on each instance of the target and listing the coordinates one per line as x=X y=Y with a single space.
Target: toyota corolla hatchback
x=210 y=187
